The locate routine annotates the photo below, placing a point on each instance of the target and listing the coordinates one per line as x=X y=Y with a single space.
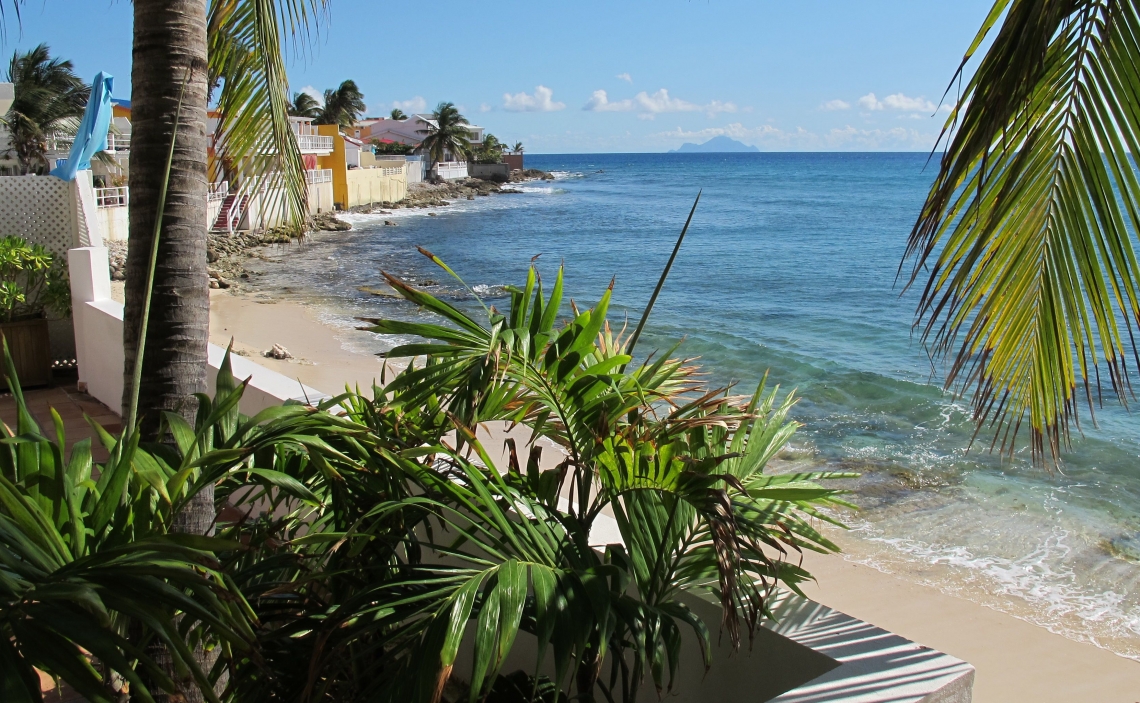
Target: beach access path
x=1015 y=660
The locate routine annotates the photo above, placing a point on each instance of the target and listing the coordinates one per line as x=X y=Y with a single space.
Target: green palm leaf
x=1024 y=248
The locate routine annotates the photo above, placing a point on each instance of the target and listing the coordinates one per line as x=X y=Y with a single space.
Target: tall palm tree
x=305 y=105
x=1023 y=251
x=49 y=99
x=449 y=134
x=397 y=114
x=343 y=106
x=180 y=48
x=517 y=148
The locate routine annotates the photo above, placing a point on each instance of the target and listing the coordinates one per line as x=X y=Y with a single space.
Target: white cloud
x=485 y=108
x=416 y=104
x=316 y=94
x=625 y=77
x=832 y=105
x=648 y=106
x=541 y=101
x=898 y=101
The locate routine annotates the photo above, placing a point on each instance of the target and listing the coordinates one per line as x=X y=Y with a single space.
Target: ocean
x=790 y=267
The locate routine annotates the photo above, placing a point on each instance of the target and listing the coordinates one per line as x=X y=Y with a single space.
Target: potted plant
x=33 y=285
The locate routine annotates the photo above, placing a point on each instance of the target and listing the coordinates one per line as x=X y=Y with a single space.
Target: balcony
x=316 y=176
x=310 y=143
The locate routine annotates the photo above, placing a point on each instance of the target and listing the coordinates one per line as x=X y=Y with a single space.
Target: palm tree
x=343 y=106
x=179 y=50
x=397 y=114
x=49 y=99
x=1023 y=250
x=448 y=134
x=517 y=148
x=305 y=105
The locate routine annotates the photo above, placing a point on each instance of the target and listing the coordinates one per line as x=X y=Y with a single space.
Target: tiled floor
x=72 y=405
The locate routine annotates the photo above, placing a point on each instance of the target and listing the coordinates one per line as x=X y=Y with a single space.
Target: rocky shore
x=225 y=252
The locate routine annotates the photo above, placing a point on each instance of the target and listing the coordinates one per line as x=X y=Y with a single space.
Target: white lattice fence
x=47 y=211
x=42 y=210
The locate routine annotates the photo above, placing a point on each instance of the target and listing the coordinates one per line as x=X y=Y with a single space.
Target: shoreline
x=1015 y=659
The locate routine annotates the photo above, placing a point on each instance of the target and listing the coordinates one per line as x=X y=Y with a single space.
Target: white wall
x=99 y=344
x=451 y=170
x=114 y=222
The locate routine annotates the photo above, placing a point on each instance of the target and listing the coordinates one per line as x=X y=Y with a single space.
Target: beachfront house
x=341 y=172
x=411 y=131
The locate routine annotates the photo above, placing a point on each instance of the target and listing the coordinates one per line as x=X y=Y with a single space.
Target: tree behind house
x=49 y=100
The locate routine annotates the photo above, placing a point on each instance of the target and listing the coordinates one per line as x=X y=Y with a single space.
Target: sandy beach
x=1015 y=660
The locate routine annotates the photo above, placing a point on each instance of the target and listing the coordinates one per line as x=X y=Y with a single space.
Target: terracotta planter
x=31 y=351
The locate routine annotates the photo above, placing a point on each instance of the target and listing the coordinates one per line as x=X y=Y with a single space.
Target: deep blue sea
x=790 y=267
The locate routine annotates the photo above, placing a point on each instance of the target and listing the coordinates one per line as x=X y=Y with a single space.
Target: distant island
x=714 y=145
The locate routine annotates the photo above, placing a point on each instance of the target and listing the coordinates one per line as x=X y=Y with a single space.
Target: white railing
x=58 y=143
x=113 y=197
x=218 y=191
x=118 y=142
x=313 y=142
x=448 y=170
x=315 y=176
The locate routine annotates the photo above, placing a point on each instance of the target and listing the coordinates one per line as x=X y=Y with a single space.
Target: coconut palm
x=397 y=114
x=343 y=106
x=447 y=135
x=49 y=100
x=182 y=47
x=1023 y=250
x=305 y=105
x=517 y=148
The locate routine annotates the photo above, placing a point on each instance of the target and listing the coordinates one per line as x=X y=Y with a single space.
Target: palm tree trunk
x=169 y=50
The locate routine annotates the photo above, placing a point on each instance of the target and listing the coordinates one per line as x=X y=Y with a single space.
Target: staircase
x=232 y=210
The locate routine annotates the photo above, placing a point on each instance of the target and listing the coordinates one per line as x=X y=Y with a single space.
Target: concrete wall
x=320 y=197
x=99 y=344
x=114 y=222
x=514 y=161
x=415 y=170
x=491 y=172
x=364 y=186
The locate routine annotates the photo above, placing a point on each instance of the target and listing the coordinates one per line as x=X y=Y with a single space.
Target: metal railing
x=113 y=197
x=321 y=175
x=313 y=142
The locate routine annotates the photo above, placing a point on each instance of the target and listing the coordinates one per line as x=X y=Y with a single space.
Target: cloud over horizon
x=898 y=101
x=541 y=101
x=648 y=106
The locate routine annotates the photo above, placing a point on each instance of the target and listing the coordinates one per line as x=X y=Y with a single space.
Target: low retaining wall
x=99 y=344
x=490 y=172
x=366 y=186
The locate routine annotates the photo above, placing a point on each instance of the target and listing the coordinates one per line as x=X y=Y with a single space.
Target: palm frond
x=1024 y=247
x=247 y=41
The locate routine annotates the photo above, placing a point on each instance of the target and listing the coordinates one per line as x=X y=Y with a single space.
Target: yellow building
x=358 y=177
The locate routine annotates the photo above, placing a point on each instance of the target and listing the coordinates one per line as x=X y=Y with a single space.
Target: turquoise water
x=790 y=267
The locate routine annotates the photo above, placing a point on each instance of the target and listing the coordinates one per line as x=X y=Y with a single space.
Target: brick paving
x=71 y=404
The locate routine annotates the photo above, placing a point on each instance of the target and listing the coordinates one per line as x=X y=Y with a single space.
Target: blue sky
x=591 y=76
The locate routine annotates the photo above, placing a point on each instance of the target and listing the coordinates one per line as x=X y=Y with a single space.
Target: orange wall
x=335 y=161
